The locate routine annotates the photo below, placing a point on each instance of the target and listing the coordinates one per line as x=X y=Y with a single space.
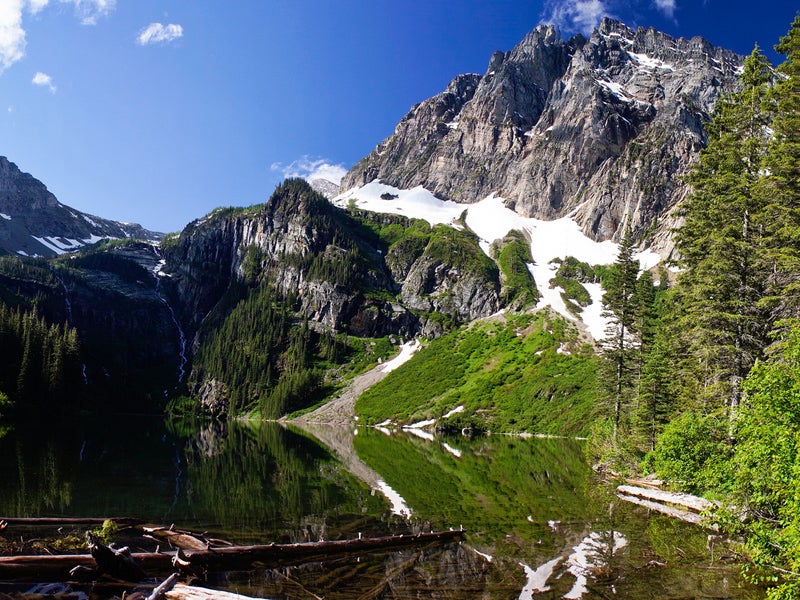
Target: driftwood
x=693 y=503
x=177 y=538
x=56 y=521
x=164 y=587
x=57 y=567
x=677 y=513
x=187 y=592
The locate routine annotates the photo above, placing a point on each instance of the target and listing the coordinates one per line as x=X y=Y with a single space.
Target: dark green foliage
x=723 y=275
x=693 y=452
x=460 y=249
x=781 y=189
x=41 y=365
x=513 y=255
x=251 y=348
x=572 y=268
x=528 y=374
x=620 y=304
x=126 y=269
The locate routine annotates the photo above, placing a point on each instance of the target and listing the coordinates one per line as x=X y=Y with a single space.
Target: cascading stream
x=158 y=274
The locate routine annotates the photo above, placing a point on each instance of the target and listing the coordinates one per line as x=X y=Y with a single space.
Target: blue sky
x=157 y=111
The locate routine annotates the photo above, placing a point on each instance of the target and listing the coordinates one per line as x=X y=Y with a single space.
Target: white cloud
x=158 y=33
x=36 y=5
x=576 y=15
x=44 y=80
x=312 y=168
x=667 y=7
x=12 y=35
x=89 y=11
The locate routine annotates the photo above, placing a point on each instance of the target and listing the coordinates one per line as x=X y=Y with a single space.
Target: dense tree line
x=712 y=368
x=41 y=363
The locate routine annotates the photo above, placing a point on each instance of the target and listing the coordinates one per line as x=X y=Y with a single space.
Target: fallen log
x=677 y=513
x=57 y=567
x=693 y=503
x=177 y=538
x=56 y=521
x=188 y=592
x=164 y=587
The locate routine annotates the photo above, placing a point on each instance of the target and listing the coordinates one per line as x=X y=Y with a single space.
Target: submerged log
x=694 y=503
x=57 y=567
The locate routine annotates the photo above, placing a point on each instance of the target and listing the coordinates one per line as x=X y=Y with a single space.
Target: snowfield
x=491 y=220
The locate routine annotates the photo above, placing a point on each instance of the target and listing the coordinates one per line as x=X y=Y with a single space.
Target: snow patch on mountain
x=492 y=220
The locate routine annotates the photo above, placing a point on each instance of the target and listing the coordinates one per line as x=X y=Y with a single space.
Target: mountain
x=34 y=223
x=601 y=129
x=500 y=194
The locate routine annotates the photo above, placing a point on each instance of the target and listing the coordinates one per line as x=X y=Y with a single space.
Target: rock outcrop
x=602 y=127
x=34 y=223
x=316 y=253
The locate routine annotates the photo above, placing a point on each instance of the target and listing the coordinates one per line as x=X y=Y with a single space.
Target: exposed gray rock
x=28 y=210
x=603 y=128
x=298 y=229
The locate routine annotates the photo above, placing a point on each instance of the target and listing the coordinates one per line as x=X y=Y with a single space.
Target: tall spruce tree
x=621 y=342
x=723 y=274
x=780 y=187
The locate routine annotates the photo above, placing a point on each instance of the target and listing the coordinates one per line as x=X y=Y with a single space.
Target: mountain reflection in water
x=539 y=524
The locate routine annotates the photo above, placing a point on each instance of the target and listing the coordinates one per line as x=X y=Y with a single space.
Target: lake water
x=539 y=523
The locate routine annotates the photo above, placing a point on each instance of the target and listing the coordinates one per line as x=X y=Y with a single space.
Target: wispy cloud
x=44 y=80
x=576 y=15
x=158 y=33
x=309 y=168
x=36 y=5
x=667 y=7
x=90 y=11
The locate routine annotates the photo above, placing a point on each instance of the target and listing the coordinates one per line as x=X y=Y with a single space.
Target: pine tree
x=720 y=246
x=781 y=186
x=620 y=344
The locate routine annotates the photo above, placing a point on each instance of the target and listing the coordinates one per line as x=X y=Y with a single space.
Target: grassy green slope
x=521 y=373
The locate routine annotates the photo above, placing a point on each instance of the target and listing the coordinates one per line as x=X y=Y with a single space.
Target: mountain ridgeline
x=266 y=308
x=602 y=127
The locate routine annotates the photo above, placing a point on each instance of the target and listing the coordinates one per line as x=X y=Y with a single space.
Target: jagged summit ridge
x=34 y=223
x=601 y=127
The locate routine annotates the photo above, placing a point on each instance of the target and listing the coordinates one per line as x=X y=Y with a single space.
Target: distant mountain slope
x=602 y=128
x=34 y=223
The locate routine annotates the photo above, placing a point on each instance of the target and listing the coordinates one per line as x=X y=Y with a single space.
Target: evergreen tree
x=621 y=343
x=781 y=185
x=719 y=244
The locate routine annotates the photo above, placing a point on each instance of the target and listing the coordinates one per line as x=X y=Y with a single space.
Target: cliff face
x=34 y=223
x=330 y=264
x=602 y=127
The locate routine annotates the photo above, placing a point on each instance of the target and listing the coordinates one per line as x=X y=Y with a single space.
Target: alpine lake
x=538 y=522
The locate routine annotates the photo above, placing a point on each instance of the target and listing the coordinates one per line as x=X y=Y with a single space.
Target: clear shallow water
x=539 y=524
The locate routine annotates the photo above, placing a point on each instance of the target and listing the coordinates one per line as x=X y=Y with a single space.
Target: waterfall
x=158 y=274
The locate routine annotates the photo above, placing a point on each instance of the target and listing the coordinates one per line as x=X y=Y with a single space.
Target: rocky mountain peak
x=34 y=223
x=601 y=128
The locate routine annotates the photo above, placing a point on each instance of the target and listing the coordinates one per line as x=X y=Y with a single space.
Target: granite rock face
x=34 y=223
x=299 y=241
x=602 y=128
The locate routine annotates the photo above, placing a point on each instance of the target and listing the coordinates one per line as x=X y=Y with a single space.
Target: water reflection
x=539 y=525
